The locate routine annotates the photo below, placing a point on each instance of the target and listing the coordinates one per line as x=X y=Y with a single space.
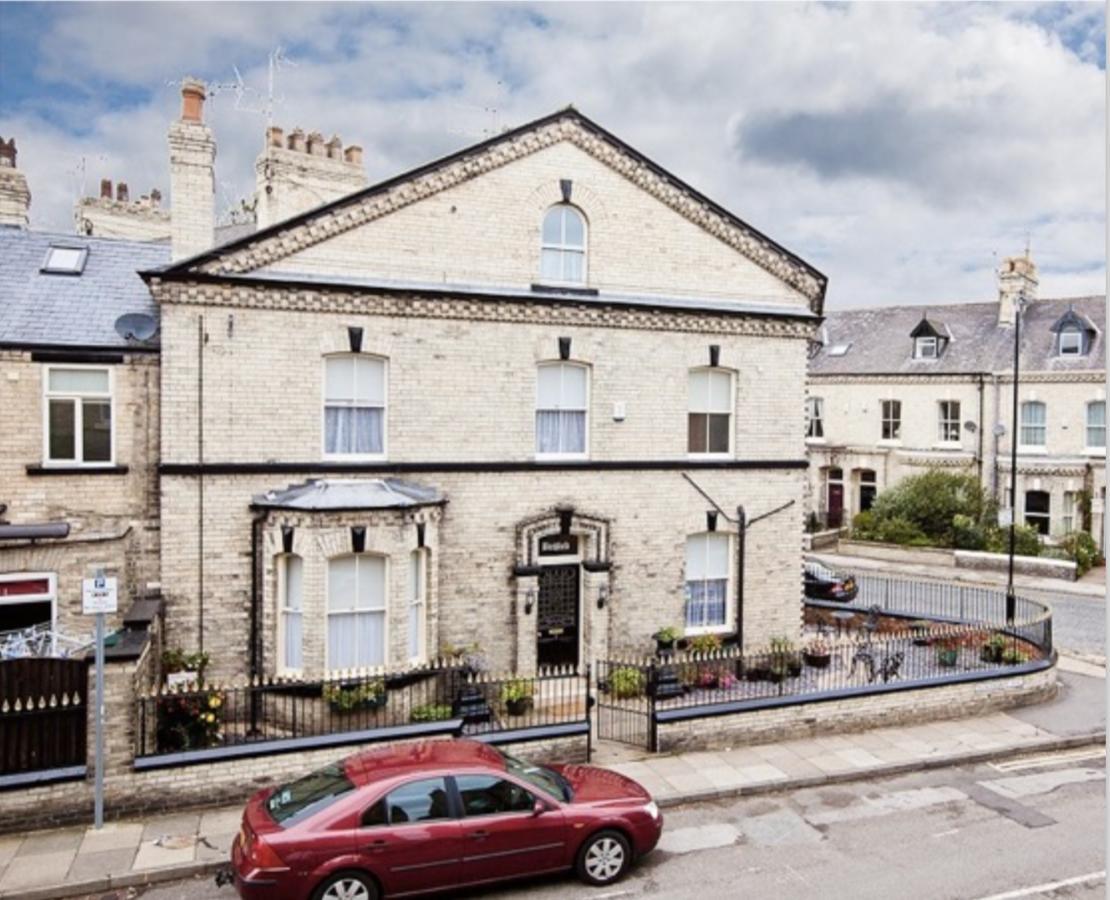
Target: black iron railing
x=213 y=720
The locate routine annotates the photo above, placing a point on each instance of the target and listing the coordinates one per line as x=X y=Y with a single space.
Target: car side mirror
x=539 y=808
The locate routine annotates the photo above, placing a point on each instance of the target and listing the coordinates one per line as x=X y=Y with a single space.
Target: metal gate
x=42 y=714
x=625 y=709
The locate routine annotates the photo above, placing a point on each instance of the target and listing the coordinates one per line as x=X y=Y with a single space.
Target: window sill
x=813 y=440
x=559 y=287
x=707 y=629
x=76 y=470
x=356 y=457
x=562 y=457
x=1032 y=451
x=948 y=446
x=727 y=455
x=890 y=443
x=1094 y=451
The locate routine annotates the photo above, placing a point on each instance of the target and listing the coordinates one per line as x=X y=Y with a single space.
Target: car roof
x=381 y=763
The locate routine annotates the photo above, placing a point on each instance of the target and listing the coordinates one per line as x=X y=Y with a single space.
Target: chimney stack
x=105 y=188
x=192 y=176
x=122 y=194
x=15 y=196
x=296 y=172
x=1018 y=275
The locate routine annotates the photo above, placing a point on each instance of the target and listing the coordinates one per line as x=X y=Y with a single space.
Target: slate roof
x=73 y=310
x=330 y=495
x=881 y=344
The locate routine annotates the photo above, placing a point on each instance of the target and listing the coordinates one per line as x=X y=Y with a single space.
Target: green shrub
x=626 y=681
x=927 y=504
x=430 y=712
x=1027 y=541
x=899 y=531
x=368 y=695
x=517 y=689
x=1081 y=547
x=705 y=643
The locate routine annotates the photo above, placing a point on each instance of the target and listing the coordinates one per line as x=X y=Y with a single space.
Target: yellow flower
x=209 y=718
x=214 y=702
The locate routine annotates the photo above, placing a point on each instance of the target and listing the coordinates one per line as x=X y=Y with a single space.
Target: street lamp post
x=1011 y=601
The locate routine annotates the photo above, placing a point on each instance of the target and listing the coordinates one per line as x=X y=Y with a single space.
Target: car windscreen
x=306 y=796
x=545 y=779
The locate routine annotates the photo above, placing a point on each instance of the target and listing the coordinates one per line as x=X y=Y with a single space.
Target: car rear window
x=306 y=796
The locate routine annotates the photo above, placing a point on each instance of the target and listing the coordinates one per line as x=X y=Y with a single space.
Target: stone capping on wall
x=1043 y=567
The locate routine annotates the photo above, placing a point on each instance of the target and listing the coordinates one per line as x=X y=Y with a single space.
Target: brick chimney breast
x=192 y=176
x=1017 y=276
x=122 y=194
x=105 y=188
x=353 y=155
x=275 y=136
x=296 y=140
x=335 y=147
x=316 y=144
x=7 y=153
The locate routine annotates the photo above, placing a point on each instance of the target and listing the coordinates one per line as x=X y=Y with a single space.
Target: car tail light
x=265 y=856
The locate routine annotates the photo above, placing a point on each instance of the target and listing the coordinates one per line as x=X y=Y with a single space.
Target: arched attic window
x=563 y=246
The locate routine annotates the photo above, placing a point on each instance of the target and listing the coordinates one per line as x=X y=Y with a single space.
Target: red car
x=437 y=815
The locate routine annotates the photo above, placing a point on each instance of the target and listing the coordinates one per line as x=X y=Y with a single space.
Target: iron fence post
x=653 y=725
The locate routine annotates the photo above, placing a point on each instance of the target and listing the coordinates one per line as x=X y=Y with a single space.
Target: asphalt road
x=1078 y=622
x=1025 y=828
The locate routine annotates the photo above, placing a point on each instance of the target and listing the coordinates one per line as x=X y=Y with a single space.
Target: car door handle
x=378 y=846
x=478 y=835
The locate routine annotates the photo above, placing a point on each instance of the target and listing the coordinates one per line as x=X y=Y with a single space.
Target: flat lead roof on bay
x=324 y=494
x=601 y=298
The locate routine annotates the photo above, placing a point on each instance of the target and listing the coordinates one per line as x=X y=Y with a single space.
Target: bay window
x=356 y=611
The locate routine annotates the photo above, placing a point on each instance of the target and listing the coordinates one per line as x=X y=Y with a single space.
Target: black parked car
x=822 y=583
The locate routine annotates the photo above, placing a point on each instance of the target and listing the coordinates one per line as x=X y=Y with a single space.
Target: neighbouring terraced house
x=896 y=390
x=516 y=396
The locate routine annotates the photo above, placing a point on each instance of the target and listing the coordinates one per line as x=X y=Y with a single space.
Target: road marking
x=612 y=894
x=1017 y=786
x=1048 y=759
x=946 y=833
x=698 y=837
x=1048 y=886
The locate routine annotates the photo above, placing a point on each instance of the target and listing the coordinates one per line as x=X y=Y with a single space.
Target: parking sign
x=98 y=595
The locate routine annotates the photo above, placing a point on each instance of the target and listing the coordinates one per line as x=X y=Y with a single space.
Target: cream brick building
x=896 y=390
x=79 y=400
x=458 y=406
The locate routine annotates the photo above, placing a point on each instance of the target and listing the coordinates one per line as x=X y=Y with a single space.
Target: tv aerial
x=136 y=327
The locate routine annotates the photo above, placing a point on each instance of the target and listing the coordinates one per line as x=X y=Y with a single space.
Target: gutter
x=34 y=532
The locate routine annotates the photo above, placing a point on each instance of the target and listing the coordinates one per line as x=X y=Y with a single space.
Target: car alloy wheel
x=348 y=886
x=604 y=858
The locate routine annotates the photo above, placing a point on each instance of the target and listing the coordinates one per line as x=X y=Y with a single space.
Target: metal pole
x=1011 y=602
x=98 y=803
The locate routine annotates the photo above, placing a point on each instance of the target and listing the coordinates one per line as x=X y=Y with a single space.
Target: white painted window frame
x=328 y=611
x=944 y=421
x=1094 y=449
x=418 y=599
x=815 y=413
x=78 y=416
x=884 y=419
x=283 y=608
x=585 y=454
x=731 y=412
x=1022 y=425
x=730 y=593
x=563 y=248
x=50 y=595
x=355 y=457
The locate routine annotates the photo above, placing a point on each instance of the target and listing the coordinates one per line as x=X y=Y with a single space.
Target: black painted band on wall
x=606 y=465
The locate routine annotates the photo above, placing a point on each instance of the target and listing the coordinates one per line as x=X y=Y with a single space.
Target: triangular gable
x=1072 y=319
x=281 y=240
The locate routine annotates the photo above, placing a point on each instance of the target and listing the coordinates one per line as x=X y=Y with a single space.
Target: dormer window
x=563 y=246
x=1074 y=334
x=1071 y=342
x=929 y=339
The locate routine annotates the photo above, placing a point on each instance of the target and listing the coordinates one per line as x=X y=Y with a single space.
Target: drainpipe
x=256 y=615
x=741 y=536
x=997 y=436
x=979 y=455
x=201 y=338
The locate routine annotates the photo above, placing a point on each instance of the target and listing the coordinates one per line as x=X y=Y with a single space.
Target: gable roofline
x=1072 y=318
x=930 y=329
x=568 y=113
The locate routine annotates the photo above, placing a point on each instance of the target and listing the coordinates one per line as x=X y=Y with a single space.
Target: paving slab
x=25 y=872
x=152 y=856
x=182 y=823
x=38 y=843
x=8 y=848
x=221 y=821
x=112 y=836
x=101 y=864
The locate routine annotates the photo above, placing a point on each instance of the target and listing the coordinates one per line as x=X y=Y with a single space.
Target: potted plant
x=345 y=698
x=919 y=631
x=707 y=678
x=993 y=649
x=948 y=653
x=778 y=672
x=1012 y=656
x=817 y=654
x=726 y=681
x=704 y=643
x=627 y=681
x=517 y=696
x=665 y=638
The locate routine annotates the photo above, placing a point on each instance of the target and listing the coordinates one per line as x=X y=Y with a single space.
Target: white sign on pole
x=1005 y=517
x=98 y=595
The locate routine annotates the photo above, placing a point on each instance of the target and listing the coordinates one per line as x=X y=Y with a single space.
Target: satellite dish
x=136 y=327
x=970 y=426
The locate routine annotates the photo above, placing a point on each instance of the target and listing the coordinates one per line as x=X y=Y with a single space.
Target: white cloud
x=897 y=147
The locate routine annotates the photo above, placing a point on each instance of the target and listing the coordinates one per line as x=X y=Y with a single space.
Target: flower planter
x=989 y=654
x=817 y=660
x=948 y=657
x=519 y=707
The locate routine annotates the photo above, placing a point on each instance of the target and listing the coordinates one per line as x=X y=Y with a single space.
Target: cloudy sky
x=903 y=149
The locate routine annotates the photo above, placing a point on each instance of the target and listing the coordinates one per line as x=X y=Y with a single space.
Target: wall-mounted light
x=529 y=601
x=602 y=596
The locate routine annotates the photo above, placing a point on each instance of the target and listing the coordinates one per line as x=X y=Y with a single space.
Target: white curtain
x=353 y=430
x=356 y=612
x=560 y=432
x=707 y=566
x=292 y=625
x=705 y=602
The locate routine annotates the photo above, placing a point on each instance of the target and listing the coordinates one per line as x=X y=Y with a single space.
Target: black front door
x=557 y=616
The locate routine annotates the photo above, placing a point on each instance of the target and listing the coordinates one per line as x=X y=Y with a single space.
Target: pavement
x=68 y=862
x=1092 y=584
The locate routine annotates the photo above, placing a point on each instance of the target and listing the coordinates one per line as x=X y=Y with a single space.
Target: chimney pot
x=335 y=147
x=353 y=155
x=274 y=136
x=105 y=188
x=193 y=94
x=121 y=192
x=155 y=197
x=7 y=153
x=316 y=144
x=296 y=140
